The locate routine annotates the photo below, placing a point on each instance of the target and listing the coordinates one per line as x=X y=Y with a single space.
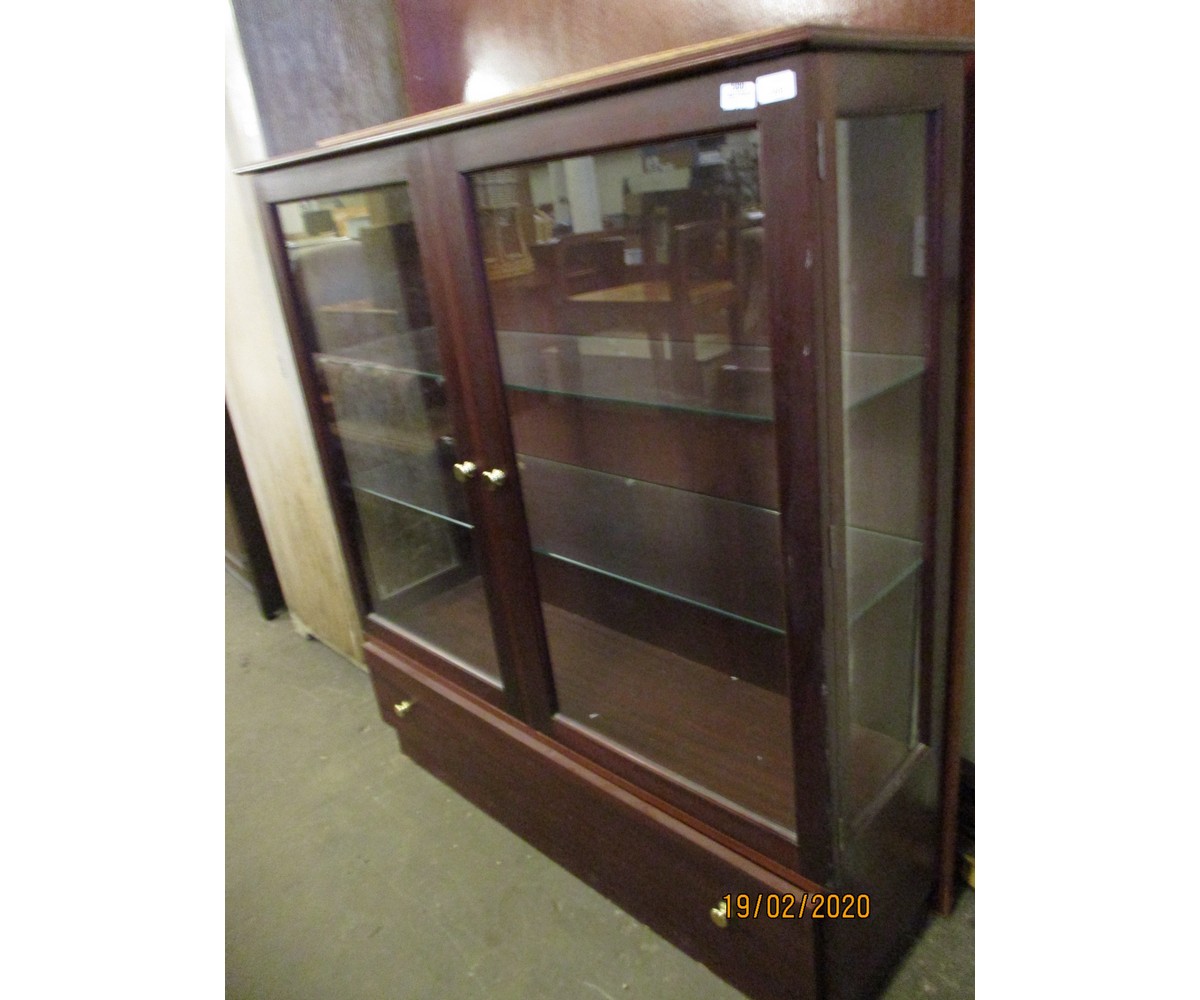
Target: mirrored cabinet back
x=635 y=396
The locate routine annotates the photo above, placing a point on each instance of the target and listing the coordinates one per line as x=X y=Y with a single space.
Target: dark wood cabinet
x=636 y=399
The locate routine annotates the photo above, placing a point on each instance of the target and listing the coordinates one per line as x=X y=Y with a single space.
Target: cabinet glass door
x=881 y=163
x=356 y=267
x=629 y=305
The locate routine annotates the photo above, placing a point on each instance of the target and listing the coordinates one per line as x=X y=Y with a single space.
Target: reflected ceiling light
x=483 y=84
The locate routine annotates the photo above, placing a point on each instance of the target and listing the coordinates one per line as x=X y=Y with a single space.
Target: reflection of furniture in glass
x=394 y=265
x=358 y=289
x=586 y=261
x=677 y=307
x=743 y=378
x=751 y=286
x=680 y=619
x=329 y=275
x=506 y=223
x=672 y=301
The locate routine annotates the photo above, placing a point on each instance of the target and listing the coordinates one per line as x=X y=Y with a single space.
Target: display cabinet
x=635 y=395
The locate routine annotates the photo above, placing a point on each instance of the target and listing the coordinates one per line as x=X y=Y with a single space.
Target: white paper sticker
x=738 y=96
x=774 y=87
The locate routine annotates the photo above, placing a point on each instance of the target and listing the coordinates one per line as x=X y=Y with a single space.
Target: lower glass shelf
x=866 y=375
x=873 y=759
x=420 y=481
x=718 y=554
x=883 y=680
x=875 y=563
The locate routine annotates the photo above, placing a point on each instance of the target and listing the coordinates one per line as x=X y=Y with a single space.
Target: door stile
x=790 y=178
x=832 y=437
x=446 y=225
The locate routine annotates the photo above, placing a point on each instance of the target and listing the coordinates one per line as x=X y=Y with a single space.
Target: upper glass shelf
x=708 y=375
x=715 y=553
x=865 y=376
x=412 y=352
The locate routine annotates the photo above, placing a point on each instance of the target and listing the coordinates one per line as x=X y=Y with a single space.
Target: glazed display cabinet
x=635 y=396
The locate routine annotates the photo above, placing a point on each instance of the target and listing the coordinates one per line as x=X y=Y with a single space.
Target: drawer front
x=653 y=866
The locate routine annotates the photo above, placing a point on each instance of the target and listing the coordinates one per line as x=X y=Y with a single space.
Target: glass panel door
x=885 y=357
x=356 y=266
x=629 y=305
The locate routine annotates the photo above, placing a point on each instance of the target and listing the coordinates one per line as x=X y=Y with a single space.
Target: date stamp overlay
x=795 y=906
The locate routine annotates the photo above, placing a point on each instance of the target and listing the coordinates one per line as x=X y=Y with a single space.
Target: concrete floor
x=353 y=875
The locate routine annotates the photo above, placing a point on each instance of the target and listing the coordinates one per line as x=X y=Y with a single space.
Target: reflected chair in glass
x=681 y=310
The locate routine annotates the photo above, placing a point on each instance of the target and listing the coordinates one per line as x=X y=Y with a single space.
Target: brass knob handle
x=464 y=471
x=495 y=478
x=402 y=709
x=720 y=914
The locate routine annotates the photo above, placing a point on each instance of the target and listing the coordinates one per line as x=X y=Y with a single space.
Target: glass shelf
x=411 y=352
x=718 y=554
x=417 y=481
x=362 y=439
x=865 y=376
x=875 y=564
x=709 y=375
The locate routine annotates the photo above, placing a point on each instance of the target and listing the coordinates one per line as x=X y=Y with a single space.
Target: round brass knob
x=402 y=709
x=720 y=914
x=495 y=478
x=464 y=471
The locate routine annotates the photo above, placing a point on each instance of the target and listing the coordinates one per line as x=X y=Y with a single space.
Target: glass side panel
x=356 y=268
x=630 y=309
x=881 y=242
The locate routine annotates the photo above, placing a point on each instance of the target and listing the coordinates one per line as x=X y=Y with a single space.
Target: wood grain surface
x=513 y=44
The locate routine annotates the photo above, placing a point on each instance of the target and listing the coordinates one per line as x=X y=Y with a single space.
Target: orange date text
x=797 y=906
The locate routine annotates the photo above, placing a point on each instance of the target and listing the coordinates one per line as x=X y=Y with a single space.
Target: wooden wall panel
x=320 y=68
x=512 y=44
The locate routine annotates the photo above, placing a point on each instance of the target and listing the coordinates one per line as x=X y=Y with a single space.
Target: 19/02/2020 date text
x=789 y=906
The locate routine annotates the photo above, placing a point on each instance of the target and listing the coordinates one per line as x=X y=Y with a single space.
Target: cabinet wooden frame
x=405 y=164
x=788 y=176
x=842 y=841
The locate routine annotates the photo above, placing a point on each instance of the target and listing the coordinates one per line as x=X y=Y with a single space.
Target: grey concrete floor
x=353 y=875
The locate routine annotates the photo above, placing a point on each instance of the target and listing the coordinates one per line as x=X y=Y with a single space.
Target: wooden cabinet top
x=627 y=75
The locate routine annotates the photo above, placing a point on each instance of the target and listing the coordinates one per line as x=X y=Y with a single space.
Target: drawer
x=654 y=866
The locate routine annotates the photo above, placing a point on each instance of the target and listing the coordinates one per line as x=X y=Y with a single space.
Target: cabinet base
x=657 y=869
